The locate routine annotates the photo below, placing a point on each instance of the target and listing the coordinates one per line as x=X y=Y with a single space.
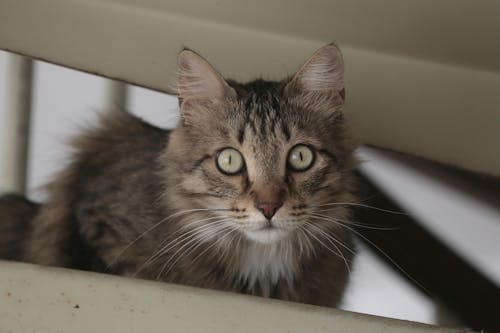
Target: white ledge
x=49 y=299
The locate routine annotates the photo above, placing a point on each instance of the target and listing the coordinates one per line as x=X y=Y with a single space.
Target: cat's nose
x=268 y=209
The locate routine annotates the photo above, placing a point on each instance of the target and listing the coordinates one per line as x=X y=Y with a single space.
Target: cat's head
x=265 y=159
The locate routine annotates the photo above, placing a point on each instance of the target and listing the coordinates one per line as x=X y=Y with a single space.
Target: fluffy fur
x=144 y=202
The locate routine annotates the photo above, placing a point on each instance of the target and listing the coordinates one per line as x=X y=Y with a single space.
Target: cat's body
x=171 y=205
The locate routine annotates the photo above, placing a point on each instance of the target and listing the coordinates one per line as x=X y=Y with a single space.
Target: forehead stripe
x=241 y=134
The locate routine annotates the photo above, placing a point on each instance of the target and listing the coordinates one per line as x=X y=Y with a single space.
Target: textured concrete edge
x=58 y=299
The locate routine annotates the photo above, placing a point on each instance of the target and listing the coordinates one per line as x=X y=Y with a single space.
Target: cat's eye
x=300 y=158
x=229 y=161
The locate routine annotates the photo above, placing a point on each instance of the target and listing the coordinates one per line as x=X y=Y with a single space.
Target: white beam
x=423 y=80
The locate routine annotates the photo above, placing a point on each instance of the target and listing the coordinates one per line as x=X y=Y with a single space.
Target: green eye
x=229 y=161
x=300 y=158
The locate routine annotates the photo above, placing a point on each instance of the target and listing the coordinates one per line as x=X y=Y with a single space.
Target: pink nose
x=268 y=209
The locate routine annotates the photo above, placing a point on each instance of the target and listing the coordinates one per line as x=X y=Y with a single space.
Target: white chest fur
x=265 y=265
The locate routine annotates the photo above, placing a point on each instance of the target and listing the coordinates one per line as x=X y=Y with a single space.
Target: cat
x=250 y=193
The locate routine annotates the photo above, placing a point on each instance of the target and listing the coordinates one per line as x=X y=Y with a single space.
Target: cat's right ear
x=198 y=82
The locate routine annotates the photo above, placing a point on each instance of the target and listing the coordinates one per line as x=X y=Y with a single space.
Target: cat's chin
x=266 y=235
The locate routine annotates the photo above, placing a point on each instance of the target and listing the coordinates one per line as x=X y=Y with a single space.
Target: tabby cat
x=249 y=194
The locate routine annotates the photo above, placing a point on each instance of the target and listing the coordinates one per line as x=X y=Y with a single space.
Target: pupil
x=300 y=155
x=230 y=159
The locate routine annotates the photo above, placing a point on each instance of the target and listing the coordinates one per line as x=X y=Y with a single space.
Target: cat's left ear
x=198 y=81
x=320 y=79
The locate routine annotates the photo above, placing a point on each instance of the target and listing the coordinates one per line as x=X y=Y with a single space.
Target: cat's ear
x=321 y=78
x=198 y=81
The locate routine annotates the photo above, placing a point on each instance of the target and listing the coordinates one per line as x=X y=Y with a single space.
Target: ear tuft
x=197 y=80
x=322 y=75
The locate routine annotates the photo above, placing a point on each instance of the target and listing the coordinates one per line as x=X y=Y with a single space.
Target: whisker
x=331 y=237
x=195 y=236
x=308 y=240
x=183 y=227
x=385 y=255
x=189 y=234
x=187 y=226
x=339 y=254
x=154 y=227
x=190 y=224
x=186 y=252
x=360 y=205
x=302 y=248
x=172 y=243
x=357 y=224
x=212 y=245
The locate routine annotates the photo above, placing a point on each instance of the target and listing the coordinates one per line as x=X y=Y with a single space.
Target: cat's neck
x=264 y=265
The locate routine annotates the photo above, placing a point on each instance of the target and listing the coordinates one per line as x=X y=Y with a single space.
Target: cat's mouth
x=268 y=233
x=269 y=225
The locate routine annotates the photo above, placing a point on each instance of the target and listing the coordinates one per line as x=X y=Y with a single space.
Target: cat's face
x=263 y=157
